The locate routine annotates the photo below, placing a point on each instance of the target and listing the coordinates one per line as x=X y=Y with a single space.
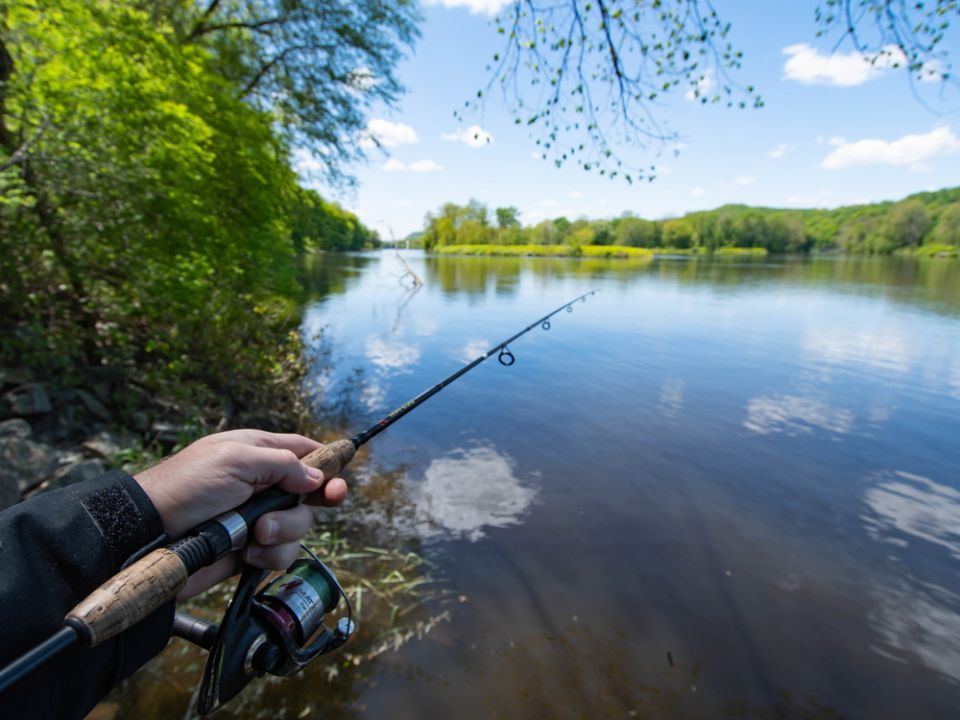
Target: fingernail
x=254 y=551
x=271 y=529
x=315 y=473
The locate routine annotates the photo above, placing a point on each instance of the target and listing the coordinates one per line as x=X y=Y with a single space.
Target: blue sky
x=834 y=131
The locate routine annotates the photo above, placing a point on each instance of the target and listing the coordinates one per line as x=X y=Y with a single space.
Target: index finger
x=299 y=445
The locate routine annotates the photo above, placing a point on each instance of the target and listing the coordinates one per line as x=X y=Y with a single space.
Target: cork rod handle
x=129 y=596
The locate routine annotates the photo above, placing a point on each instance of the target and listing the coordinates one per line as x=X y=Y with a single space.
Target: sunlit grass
x=750 y=252
x=620 y=251
x=933 y=250
x=592 y=251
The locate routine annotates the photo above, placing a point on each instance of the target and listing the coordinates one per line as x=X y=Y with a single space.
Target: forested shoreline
x=923 y=224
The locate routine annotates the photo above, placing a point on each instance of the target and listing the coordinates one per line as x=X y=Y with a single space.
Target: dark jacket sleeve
x=55 y=548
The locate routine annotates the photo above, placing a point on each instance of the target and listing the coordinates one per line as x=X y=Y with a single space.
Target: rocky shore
x=55 y=433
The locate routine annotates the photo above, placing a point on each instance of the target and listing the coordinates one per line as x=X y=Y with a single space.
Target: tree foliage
x=922 y=220
x=317 y=67
x=146 y=203
x=586 y=76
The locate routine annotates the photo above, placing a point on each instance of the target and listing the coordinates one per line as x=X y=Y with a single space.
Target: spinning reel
x=275 y=631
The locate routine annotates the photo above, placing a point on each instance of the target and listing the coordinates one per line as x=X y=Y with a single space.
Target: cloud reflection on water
x=671 y=397
x=881 y=349
x=474 y=348
x=468 y=491
x=391 y=354
x=921 y=621
x=915 y=506
x=793 y=414
x=911 y=617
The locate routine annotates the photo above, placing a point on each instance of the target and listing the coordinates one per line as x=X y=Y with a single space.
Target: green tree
x=636 y=232
x=507 y=217
x=318 y=67
x=678 y=234
x=149 y=216
x=947 y=231
x=907 y=223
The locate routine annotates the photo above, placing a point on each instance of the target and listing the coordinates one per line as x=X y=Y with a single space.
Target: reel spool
x=275 y=631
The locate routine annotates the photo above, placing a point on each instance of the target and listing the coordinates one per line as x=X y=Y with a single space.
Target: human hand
x=219 y=472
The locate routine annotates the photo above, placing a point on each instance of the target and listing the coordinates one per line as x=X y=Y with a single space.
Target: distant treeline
x=927 y=223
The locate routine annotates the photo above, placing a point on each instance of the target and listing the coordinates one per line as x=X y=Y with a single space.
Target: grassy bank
x=950 y=251
x=591 y=251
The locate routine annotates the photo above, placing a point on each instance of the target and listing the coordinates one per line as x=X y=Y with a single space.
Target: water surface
x=723 y=488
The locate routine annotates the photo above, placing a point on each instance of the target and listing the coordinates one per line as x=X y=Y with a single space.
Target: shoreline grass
x=591 y=251
x=930 y=251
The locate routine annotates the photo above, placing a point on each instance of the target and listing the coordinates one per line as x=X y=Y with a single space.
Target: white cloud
x=744 y=180
x=362 y=79
x=664 y=170
x=802 y=200
x=807 y=65
x=549 y=202
x=477 y=7
x=697 y=191
x=305 y=163
x=837 y=141
x=933 y=71
x=910 y=150
x=575 y=194
x=474 y=136
x=779 y=151
x=421 y=166
x=701 y=88
x=383 y=133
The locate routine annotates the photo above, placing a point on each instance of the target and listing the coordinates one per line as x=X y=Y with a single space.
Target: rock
x=23 y=463
x=29 y=399
x=93 y=406
x=103 y=445
x=140 y=421
x=16 y=428
x=168 y=432
x=15 y=376
x=77 y=472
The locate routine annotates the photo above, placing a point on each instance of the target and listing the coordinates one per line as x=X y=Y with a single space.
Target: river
x=718 y=488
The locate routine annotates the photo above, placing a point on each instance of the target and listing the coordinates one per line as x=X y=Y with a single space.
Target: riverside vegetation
x=924 y=224
x=152 y=226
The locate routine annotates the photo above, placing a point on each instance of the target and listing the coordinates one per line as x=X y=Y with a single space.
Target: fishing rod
x=277 y=630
